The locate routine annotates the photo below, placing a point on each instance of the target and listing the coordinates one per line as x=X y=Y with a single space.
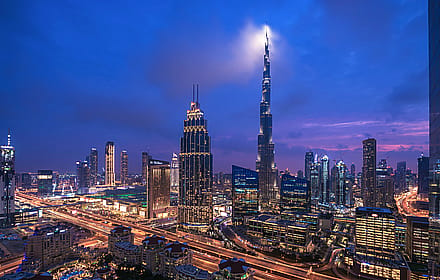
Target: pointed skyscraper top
x=9 y=137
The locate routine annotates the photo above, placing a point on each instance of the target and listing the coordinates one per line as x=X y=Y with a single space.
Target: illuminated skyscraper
x=325 y=180
x=158 y=188
x=175 y=174
x=124 y=167
x=195 y=210
x=369 y=172
x=45 y=179
x=244 y=194
x=7 y=184
x=110 y=164
x=341 y=187
x=384 y=185
x=267 y=172
x=315 y=180
x=308 y=161
x=93 y=162
x=145 y=159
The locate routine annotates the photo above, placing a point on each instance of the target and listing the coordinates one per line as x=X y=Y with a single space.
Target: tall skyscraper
x=124 y=167
x=417 y=239
x=400 y=180
x=353 y=169
x=7 y=184
x=384 y=185
x=369 y=172
x=93 y=163
x=195 y=210
x=434 y=80
x=325 y=180
x=158 y=188
x=308 y=161
x=83 y=177
x=110 y=164
x=315 y=180
x=341 y=188
x=145 y=159
x=175 y=174
x=423 y=175
x=267 y=172
x=244 y=194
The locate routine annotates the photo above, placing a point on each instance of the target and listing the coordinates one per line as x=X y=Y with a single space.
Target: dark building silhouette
x=195 y=209
x=93 y=163
x=244 y=194
x=45 y=182
x=267 y=172
x=423 y=175
x=369 y=172
x=124 y=167
x=308 y=161
x=400 y=177
x=83 y=177
x=384 y=185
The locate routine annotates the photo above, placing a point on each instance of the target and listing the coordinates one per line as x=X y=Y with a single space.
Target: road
x=10 y=265
x=264 y=267
x=404 y=205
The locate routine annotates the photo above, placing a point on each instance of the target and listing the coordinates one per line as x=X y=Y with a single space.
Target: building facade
x=110 y=164
x=195 y=209
x=294 y=194
x=45 y=182
x=265 y=165
x=158 y=188
x=244 y=194
x=83 y=177
x=324 y=196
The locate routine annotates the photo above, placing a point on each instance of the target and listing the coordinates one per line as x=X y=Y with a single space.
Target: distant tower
x=7 y=184
x=145 y=160
x=175 y=174
x=124 y=167
x=341 y=190
x=93 y=163
x=308 y=161
x=369 y=172
x=195 y=172
x=325 y=180
x=423 y=175
x=267 y=172
x=110 y=164
x=83 y=177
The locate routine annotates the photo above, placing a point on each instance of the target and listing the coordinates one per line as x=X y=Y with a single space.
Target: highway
x=403 y=204
x=265 y=268
x=10 y=265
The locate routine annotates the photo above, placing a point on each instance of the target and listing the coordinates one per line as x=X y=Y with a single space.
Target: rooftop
x=234 y=265
x=193 y=271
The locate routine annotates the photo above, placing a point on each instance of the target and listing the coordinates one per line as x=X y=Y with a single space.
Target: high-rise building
x=7 y=184
x=353 y=169
x=110 y=164
x=315 y=180
x=308 y=161
x=83 y=177
x=145 y=160
x=45 y=180
x=174 y=176
x=423 y=175
x=195 y=210
x=417 y=239
x=124 y=167
x=244 y=194
x=341 y=187
x=93 y=163
x=400 y=177
x=300 y=174
x=369 y=172
x=294 y=194
x=325 y=180
x=384 y=185
x=267 y=171
x=158 y=188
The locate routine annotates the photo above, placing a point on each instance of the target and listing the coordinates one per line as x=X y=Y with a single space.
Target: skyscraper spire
x=267 y=172
x=9 y=137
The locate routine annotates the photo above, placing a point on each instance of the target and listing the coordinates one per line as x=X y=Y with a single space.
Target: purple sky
x=76 y=74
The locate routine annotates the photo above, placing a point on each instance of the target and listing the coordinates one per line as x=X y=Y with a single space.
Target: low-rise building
x=150 y=249
x=174 y=254
x=233 y=269
x=191 y=272
x=119 y=234
x=126 y=253
x=49 y=245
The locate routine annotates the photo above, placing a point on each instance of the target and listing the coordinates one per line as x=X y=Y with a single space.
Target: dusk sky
x=76 y=74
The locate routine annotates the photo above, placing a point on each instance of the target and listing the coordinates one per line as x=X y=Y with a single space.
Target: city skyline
x=323 y=86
